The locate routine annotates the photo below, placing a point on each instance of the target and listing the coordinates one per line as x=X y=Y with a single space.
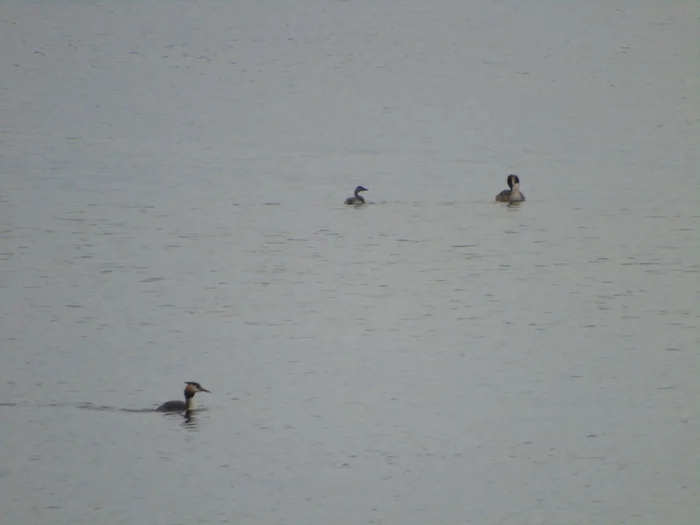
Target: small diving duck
x=188 y=404
x=357 y=199
x=513 y=194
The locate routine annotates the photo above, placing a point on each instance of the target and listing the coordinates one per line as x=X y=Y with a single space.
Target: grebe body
x=357 y=199
x=513 y=194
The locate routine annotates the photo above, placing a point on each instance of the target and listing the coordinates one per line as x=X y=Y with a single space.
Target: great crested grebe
x=188 y=404
x=513 y=194
x=357 y=199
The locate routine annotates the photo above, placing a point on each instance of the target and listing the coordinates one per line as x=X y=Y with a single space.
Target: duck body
x=187 y=405
x=357 y=198
x=513 y=194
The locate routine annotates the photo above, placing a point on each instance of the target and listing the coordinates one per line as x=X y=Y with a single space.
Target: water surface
x=171 y=209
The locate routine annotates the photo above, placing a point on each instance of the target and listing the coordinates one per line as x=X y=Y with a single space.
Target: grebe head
x=512 y=179
x=192 y=388
x=359 y=189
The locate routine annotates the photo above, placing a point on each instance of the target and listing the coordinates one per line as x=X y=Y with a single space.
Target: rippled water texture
x=171 y=184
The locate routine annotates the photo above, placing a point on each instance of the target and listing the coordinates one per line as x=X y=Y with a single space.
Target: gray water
x=171 y=184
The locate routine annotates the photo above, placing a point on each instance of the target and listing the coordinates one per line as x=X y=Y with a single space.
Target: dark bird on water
x=357 y=199
x=513 y=194
x=188 y=404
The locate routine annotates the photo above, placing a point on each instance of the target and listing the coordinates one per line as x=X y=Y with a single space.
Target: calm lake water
x=171 y=184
